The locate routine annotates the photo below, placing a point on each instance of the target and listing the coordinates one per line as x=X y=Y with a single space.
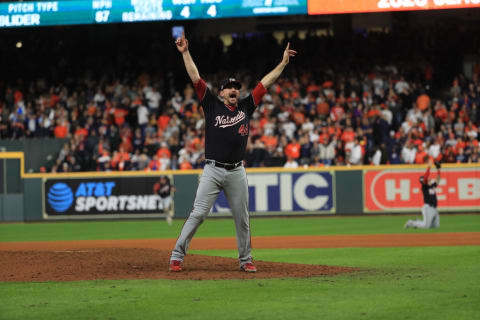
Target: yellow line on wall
x=15 y=155
x=23 y=174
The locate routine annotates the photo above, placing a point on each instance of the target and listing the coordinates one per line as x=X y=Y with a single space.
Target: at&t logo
x=60 y=197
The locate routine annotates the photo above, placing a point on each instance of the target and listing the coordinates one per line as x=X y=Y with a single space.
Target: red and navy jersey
x=430 y=194
x=227 y=127
x=163 y=188
x=429 y=190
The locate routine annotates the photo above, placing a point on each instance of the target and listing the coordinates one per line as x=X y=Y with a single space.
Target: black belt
x=227 y=166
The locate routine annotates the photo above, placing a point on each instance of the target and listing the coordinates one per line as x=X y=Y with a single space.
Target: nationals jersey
x=163 y=188
x=429 y=190
x=429 y=194
x=227 y=127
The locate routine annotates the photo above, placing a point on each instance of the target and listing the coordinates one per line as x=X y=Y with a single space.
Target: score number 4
x=102 y=16
x=212 y=11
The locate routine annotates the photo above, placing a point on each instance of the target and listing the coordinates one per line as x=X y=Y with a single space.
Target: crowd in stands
x=382 y=113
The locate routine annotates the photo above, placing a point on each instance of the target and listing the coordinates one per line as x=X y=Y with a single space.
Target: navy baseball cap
x=230 y=82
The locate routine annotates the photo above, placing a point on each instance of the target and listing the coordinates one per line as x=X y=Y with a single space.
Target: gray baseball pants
x=431 y=219
x=212 y=181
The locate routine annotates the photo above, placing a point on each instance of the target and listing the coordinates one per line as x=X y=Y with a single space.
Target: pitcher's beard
x=232 y=100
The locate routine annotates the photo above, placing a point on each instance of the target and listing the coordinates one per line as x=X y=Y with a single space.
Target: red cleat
x=175 y=266
x=248 y=267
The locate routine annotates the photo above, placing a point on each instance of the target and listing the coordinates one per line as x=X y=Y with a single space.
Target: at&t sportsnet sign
x=102 y=196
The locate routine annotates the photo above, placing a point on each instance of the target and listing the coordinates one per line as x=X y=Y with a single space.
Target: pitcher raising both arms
x=226 y=135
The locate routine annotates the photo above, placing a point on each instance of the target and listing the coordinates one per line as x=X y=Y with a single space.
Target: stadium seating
x=326 y=109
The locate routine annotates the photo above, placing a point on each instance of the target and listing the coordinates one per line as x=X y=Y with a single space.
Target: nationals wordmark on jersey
x=227 y=121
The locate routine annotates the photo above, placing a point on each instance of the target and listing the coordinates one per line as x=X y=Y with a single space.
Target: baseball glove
x=438 y=165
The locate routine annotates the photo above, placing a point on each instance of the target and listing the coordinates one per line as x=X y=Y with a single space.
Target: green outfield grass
x=54 y=231
x=394 y=283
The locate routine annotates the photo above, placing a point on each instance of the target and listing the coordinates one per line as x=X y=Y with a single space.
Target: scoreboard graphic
x=72 y=12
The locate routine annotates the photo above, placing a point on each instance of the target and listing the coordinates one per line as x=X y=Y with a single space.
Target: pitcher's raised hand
x=182 y=43
x=288 y=53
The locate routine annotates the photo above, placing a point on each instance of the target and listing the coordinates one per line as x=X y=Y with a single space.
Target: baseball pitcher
x=226 y=135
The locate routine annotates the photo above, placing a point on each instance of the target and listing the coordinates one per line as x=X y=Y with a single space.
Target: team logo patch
x=243 y=130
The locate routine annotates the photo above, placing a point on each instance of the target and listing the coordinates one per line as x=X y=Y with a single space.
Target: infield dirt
x=148 y=258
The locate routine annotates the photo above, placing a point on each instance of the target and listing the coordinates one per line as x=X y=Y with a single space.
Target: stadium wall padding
x=11 y=207
x=33 y=205
x=273 y=191
x=186 y=187
x=2 y=175
x=348 y=192
x=14 y=182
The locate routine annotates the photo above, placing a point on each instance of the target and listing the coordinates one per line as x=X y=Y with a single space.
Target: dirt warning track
x=285 y=242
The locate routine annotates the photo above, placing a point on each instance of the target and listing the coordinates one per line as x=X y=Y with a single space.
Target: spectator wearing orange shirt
x=185 y=165
x=54 y=99
x=293 y=149
x=299 y=116
x=421 y=156
x=337 y=113
x=373 y=112
x=164 y=151
x=81 y=133
x=92 y=109
x=440 y=112
x=162 y=121
x=119 y=115
x=335 y=130
x=269 y=140
x=155 y=164
x=348 y=135
x=423 y=101
x=313 y=87
x=323 y=135
x=61 y=130
x=323 y=109
x=263 y=121
x=120 y=160
x=18 y=96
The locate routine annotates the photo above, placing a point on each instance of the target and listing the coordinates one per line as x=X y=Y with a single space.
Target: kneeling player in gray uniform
x=431 y=218
x=226 y=135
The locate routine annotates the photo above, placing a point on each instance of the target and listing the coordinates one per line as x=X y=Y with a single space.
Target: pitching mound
x=128 y=263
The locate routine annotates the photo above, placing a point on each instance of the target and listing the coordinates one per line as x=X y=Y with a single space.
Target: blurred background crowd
x=379 y=98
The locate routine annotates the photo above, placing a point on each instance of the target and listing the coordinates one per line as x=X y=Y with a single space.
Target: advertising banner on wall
x=399 y=190
x=285 y=193
x=358 y=6
x=125 y=196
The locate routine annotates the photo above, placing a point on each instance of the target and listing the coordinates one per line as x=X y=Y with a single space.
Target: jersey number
x=243 y=130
